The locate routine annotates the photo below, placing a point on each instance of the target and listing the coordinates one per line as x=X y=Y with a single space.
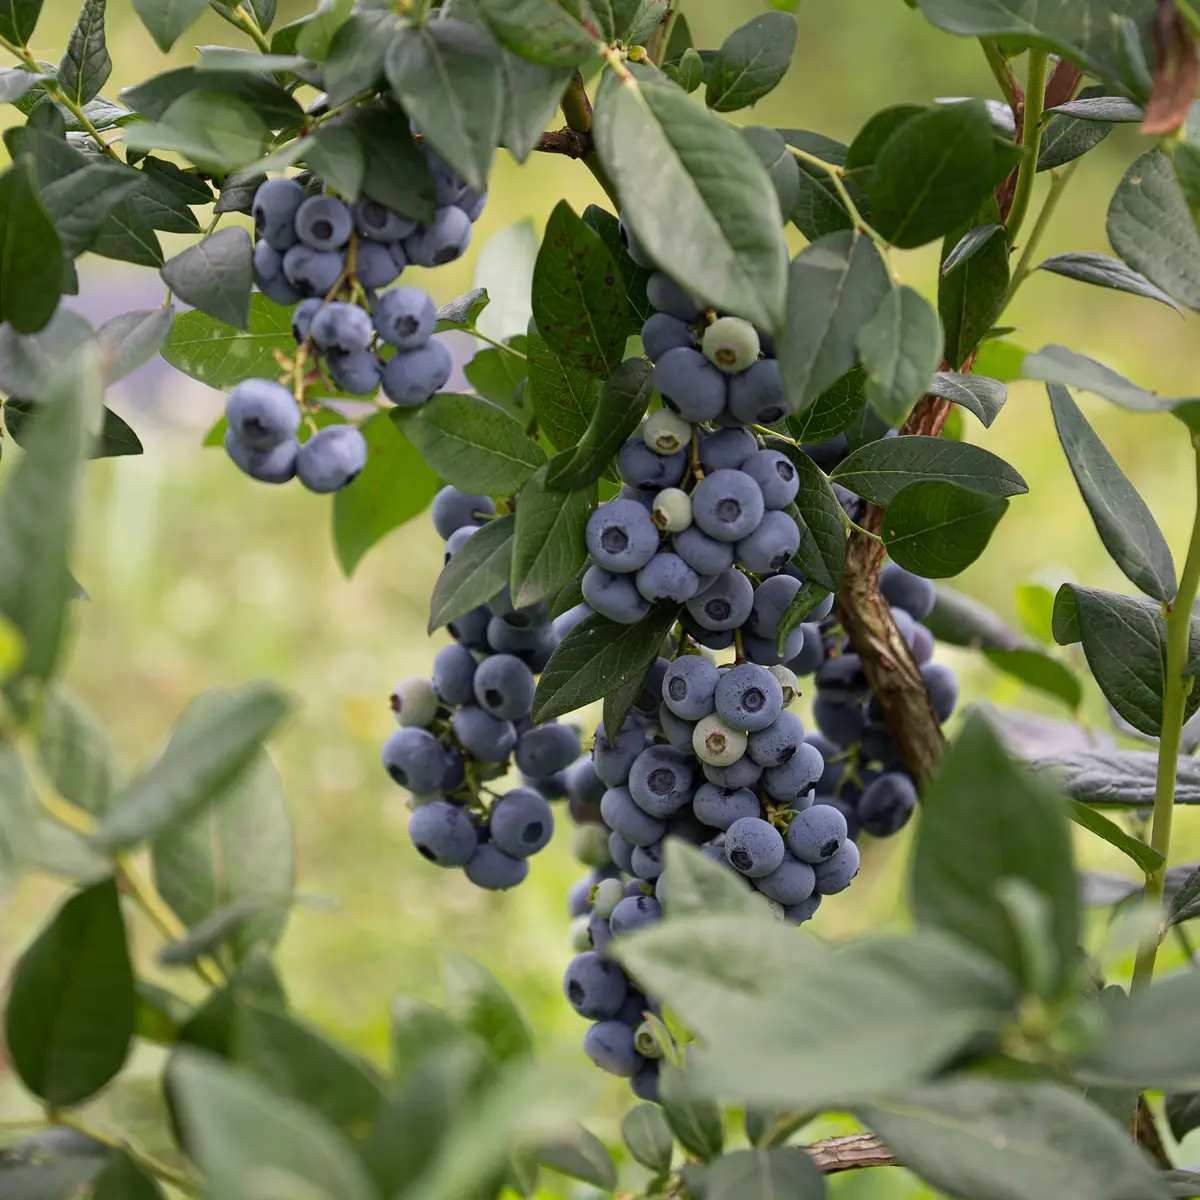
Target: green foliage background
x=198 y=576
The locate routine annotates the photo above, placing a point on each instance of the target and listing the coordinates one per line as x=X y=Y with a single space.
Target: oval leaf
x=938 y=529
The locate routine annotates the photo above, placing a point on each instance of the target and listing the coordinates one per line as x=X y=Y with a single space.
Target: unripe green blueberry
x=731 y=344
x=666 y=432
x=579 y=939
x=589 y=844
x=414 y=701
x=606 y=895
x=716 y=743
x=787 y=681
x=646 y=1041
x=672 y=511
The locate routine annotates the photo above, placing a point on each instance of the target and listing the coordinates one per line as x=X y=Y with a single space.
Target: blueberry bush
x=705 y=481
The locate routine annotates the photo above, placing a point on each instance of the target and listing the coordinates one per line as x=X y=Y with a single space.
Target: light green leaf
x=762 y=1174
x=479 y=1005
x=219 y=355
x=1039 y=670
x=1147 y=858
x=75 y=752
x=649 y=1137
x=692 y=1114
x=216 y=130
x=130 y=339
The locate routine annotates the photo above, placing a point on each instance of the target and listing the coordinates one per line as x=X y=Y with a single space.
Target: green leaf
x=15 y=82
x=976 y=393
x=216 y=929
x=819 y=516
x=693 y=1116
x=203 y=757
x=581 y=1156
x=833 y=410
x=1039 y=670
x=980 y=797
x=238 y=847
x=878 y=470
x=219 y=355
x=699 y=887
x=635 y=277
x=564 y=399
x=762 y=1174
x=971 y=297
x=777 y=160
x=393 y=488
x=720 y=234
x=167 y=19
x=239 y=1132
x=18 y=19
x=215 y=276
x=578 y=296
x=479 y=1005
x=123 y=1179
x=356 y=55
x=1183 y=1115
x=996 y=1139
x=751 y=61
x=614 y=418
x=31 y=257
x=819 y=209
x=216 y=130
x=86 y=66
x=76 y=755
x=649 y=1138
x=531 y=96
x=447 y=76
x=1185 y=904
x=938 y=529
x=934 y=172
x=395 y=172
x=1122 y=518
x=1147 y=858
x=28 y=363
x=540 y=31
x=114 y=439
x=1150 y=226
x=548 y=546
x=1105 y=272
x=501 y=377
x=688 y=72
x=1111 y=109
x=969 y=245
x=873 y=136
x=463 y=311
x=1124 y=778
x=81 y=198
x=964 y=621
x=470 y=443
x=900 y=347
x=597 y=657
x=130 y=339
x=69 y=1019
x=1067 y=138
x=805 y=600
x=835 y=286
x=476 y=574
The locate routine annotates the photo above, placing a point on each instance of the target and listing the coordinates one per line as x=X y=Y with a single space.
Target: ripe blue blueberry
x=342 y=327
x=668 y=297
x=772 y=544
x=405 y=317
x=732 y=344
x=487 y=738
x=719 y=807
x=748 y=697
x=269 y=275
x=493 y=870
x=753 y=847
x=817 y=834
x=727 y=449
x=543 y=751
x=633 y=247
x=415 y=760
x=454 y=675
x=842 y=678
x=779 y=742
x=726 y=604
x=706 y=556
x=943 y=689
x=678 y=732
x=457 y=540
x=277 y=465
x=262 y=414
x=621 y=852
x=645 y=1081
x=621 y=537
x=757 y=396
x=667 y=579
x=610 y=1045
x=504 y=686
x=614 y=596
x=648 y=861
x=599 y=931
x=453 y=509
x=812 y=654
x=312 y=272
x=442 y=832
x=903 y=589
x=887 y=803
x=522 y=822
x=302 y=316
x=765 y=651
x=635 y=912
x=829 y=453
x=470 y=630
x=797 y=914
x=660 y=780
x=584 y=785
x=727 y=505
x=835 y=874
x=472 y=203
x=689 y=686
x=333 y=458
x=922 y=645
x=775 y=475
x=410 y=377
x=623 y=816
x=274 y=209
x=356 y=374
x=794 y=777
x=442 y=242
x=690 y=384
x=324 y=223
x=641 y=467
x=380 y=224
x=743 y=772
x=376 y=264
x=792 y=882
x=663 y=332
x=643 y=496
x=565 y=622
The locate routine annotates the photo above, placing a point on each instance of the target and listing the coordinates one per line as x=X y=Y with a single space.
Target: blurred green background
x=200 y=577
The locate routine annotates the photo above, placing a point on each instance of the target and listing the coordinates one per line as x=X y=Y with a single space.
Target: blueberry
x=614 y=596
x=689 y=686
x=546 y=750
x=795 y=776
x=493 y=870
x=727 y=505
x=505 y=638
x=817 y=834
x=732 y=344
x=275 y=205
x=342 y=327
x=665 y=432
x=333 y=458
x=626 y=818
x=779 y=742
x=633 y=247
x=812 y=655
x=522 y=822
x=447 y=182
x=835 y=874
x=483 y=736
x=647 y=861
x=943 y=689
x=720 y=807
x=324 y=223
x=765 y=651
x=621 y=537
x=727 y=449
x=717 y=744
x=380 y=224
x=705 y=555
x=775 y=475
x=641 y=467
x=415 y=760
x=708 y=638
x=606 y=895
x=470 y=629
x=457 y=540
x=771 y=546
x=903 y=589
x=644 y=496
x=635 y=912
x=660 y=780
x=690 y=384
x=442 y=832
x=922 y=645
x=610 y=1045
x=828 y=453
x=277 y=465
x=772 y=598
x=442 y=242
x=748 y=697
x=744 y=772
x=579 y=902
x=453 y=509
x=792 y=882
x=472 y=203
x=645 y=1082
x=724 y=605
x=565 y=622
x=504 y=686
x=787 y=681
x=356 y=374
x=405 y=317
x=621 y=852
x=887 y=804
x=667 y=579
x=312 y=272
x=410 y=377
x=663 y=332
x=613 y=759
x=377 y=265
x=414 y=701
x=599 y=932
x=797 y=914
x=753 y=847
x=668 y=297
x=677 y=731
x=302 y=316
x=842 y=678
x=671 y=511
x=584 y=785
x=757 y=397
x=268 y=274
x=262 y=414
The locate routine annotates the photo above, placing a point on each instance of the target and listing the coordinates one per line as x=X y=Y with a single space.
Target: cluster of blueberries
x=460 y=730
x=329 y=259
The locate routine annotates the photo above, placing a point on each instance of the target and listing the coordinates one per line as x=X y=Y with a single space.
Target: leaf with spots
x=219 y=355
x=563 y=397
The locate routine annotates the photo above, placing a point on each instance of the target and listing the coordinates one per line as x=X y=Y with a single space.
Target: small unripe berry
x=731 y=344
x=666 y=432
x=589 y=844
x=789 y=683
x=579 y=939
x=646 y=1041
x=672 y=511
x=606 y=895
x=716 y=743
x=414 y=701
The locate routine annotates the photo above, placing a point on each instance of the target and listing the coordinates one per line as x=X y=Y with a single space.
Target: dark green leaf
x=805 y=600
x=216 y=929
x=31 y=257
x=128 y=236
x=447 y=76
x=763 y=1175
x=618 y=704
x=878 y=470
x=635 y=20
x=635 y=277
x=270 y=101
x=1095 y=822
x=582 y=1156
x=1183 y=1115
x=562 y=396
x=819 y=209
x=963 y=621
x=822 y=553
x=476 y=574
x=1037 y=669
x=938 y=529
x=778 y=161
x=548 y=546
x=86 y=66
x=356 y=56
x=479 y=1005
x=693 y=1116
x=1110 y=109
x=1150 y=226
x=994 y=1139
x=471 y=443
x=82 y=202
x=115 y=438
x=123 y=1179
x=578 y=296
x=1067 y=138
x=751 y=61
x=614 y=419
x=972 y=297
x=982 y=396
x=395 y=485
x=1122 y=518
x=219 y=355
x=833 y=410
x=216 y=130
x=720 y=235
x=688 y=72
x=69 y=1020
x=1105 y=272
x=130 y=339
x=200 y=761
x=215 y=276
x=900 y=348
x=649 y=1137
x=531 y=96
x=76 y=755
x=980 y=797
x=18 y=19
x=873 y=136
x=540 y=31
x=336 y=155
x=1124 y=778
x=167 y=19
x=596 y=657
x=969 y=245
x=501 y=377
x=1185 y=904
x=835 y=286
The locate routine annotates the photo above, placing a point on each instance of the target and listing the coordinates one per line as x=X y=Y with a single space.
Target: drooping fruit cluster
x=329 y=259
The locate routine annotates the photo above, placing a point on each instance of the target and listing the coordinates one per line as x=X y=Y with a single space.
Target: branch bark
x=850 y=1153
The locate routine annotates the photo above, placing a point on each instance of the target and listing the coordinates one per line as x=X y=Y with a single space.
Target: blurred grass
x=199 y=577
